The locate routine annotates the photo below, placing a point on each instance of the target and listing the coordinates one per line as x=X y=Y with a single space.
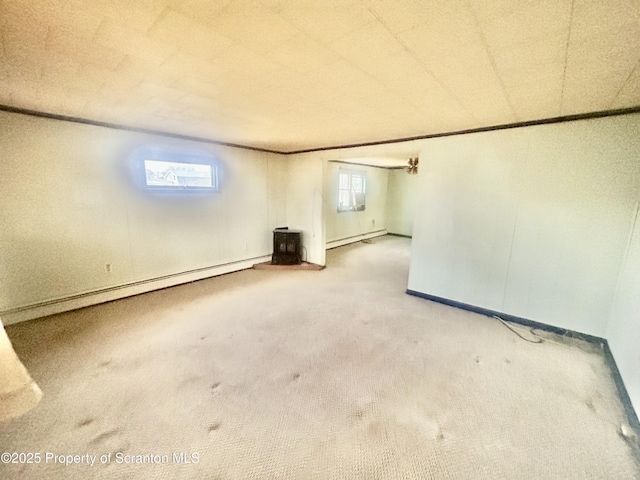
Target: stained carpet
x=333 y=374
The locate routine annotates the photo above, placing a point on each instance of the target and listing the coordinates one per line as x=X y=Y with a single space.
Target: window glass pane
x=170 y=174
x=344 y=181
x=344 y=199
x=351 y=190
x=356 y=183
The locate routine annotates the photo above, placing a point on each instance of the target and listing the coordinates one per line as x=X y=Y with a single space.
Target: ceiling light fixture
x=413 y=166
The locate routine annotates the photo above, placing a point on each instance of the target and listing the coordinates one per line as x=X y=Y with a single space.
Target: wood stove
x=287 y=247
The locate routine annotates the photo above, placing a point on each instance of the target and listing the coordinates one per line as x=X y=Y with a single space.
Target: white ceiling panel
x=533 y=20
x=630 y=91
x=301 y=74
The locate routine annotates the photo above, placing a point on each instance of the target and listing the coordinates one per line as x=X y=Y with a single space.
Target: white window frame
x=352 y=187
x=183 y=162
x=171 y=166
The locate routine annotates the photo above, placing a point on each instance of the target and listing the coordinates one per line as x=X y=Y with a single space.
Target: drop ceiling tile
x=593 y=94
x=249 y=24
x=298 y=72
x=314 y=98
x=201 y=40
x=133 y=71
x=326 y=22
x=202 y=10
x=538 y=20
x=127 y=101
x=88 y=85
x=132 y=43
x=66 y=102
x=64 y=42
x=435 y=102
x=443 y=119
x=450 y=24
x=100 y=56
x=629 y=94
x=301 y=53
x=197 y=105
x=547 y=51
x=3 y=51
x=594 y=18
x=120 y=85
x=606 y=47
x=69 y=15
x=362 y=86
x=413 y=87
x=196 y=87
x=533 y=75
x=446 y=51
x=6 y=97
x=400 y=72
x=332 y=76
x=61 y=63
x=286 y=80
x=389 y=105
x=402 y=16
x=342 y=104
x=60 y=72
x=136 y=16
x=23 y=32
x=245 y=94
x=240 y=59
x=23 y=97
x=487 y=12
x=160 y=92
x=371 y=41
x=536 y=100
x=23 y=75
x=483 y=91
x=4 y=68
x=583 y=65
x=598 y=67
x=181 y=64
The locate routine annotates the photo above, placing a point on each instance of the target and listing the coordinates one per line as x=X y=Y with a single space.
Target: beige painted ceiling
x=299 y=74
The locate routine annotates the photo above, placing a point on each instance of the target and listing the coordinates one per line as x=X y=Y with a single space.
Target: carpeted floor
x=333 y=374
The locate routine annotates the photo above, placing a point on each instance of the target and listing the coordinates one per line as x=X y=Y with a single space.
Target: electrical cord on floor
x=539 y=340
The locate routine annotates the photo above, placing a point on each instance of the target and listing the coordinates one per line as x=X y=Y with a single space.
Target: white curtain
x=18 y=392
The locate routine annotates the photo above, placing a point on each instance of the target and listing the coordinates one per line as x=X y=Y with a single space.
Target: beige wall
x=341 y=225
x=322 y=172
x=623 y=329
x=401 y=202
x=536 y=222
x=531 y=222
x=305 y=209
x=69 y=208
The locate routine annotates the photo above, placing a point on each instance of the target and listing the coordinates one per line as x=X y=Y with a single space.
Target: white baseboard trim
x=355 y=238
x=51 y=307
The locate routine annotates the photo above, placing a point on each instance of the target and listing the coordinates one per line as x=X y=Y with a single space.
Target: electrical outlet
x=107 y=267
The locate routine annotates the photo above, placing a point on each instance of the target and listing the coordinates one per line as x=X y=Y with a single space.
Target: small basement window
x=351 y=190
x=166 y=174
x=160 y=168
